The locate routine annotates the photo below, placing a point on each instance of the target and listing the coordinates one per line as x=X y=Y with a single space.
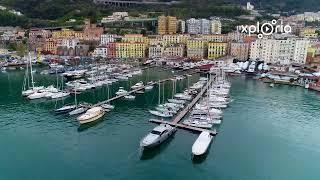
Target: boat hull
x=159 y=141
x=92 y=119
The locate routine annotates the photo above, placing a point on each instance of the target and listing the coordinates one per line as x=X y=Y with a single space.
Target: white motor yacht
x=158 y=135
x=202 y=144
x=121 y=92
x=37 y=95
x=164 y=114
x=65 y=109
x=137 y=85
x=197 y=123
x=107 y=106
x=149 y=85
x=183 y=96
x=77 y=111
x=176 y=101
x=60 y=95
x=130 y=97
x=91 y=115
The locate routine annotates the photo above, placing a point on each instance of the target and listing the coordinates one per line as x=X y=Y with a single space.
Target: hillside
x=46 y=12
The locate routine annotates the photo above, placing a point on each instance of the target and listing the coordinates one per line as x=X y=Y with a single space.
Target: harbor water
x=266 y=133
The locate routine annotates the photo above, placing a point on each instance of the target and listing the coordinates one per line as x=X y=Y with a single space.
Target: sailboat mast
x=27 y=76
x=172 y=88
x=32 y=82
x=163 y=93
x=57 y=79
x=75 y=96
x=159 y=92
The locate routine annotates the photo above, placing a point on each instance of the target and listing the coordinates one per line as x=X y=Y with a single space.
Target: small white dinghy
x=130 y=97
x=201 y=145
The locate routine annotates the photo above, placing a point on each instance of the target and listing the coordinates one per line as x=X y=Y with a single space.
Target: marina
x=93 y=153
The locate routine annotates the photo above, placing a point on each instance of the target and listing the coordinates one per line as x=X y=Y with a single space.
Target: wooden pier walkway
x=185 y=111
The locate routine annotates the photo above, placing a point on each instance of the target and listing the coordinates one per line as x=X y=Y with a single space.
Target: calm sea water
x=267 y=133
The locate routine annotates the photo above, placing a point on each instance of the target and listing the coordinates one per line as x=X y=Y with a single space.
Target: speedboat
x=166 y=109
x=60 y=95
x=28 y=92
x=107 y=106
x=65 y=109
x=176 y=101
x=199 y=124
x=32 y=90
x=50 y=88
x=122 y=77
x=164 y=114
x=158 y=135
x=183 y=96
x=37 y=95
x=130 y=97
x=149 y=85
x=201 y=145
x=91 y=115
x=121 y=92
x=138 y=85
x=79 y=110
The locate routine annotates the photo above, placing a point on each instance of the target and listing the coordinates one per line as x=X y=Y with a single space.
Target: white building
x=282 y=51
x=156 y=51
x=101 y=51
x=107 y=38
x=116 y=16
x=198 y=26
x=250 y=7
x=69 y=43
x=215 y=26
x=204 y=26
x=193 y=26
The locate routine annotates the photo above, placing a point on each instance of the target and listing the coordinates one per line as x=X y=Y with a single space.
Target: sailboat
x=28 y=91
x=107 y=105
x=62 y=93
x=149 y=85
x=164 y=113
x=79 y=108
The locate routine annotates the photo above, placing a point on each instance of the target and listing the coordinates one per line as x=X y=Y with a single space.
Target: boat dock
x=138 y=89
x=185 y=111
x=183 y=126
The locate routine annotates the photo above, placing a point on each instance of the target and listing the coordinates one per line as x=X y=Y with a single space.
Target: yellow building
x=130 y=50
x=154 y=40
x=175 y=51
x=308 y=32
x=79 y=35
x=167 y=25
x=162 y=25
x=196 y=48
x=51 y=46
x=134 y=38
x=172 y=25
x=215 y=37
x=175 y=39
x=217 y=49
x=64 y=33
